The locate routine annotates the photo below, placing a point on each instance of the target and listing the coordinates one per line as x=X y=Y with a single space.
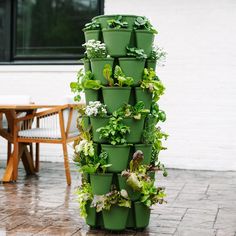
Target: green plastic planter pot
x=133 y=67
x=101 y=183
x=133 y=195
x=118 y=156
x=131 y=219
x=143 y=95
x=116 y=41
x=116 y=218
x=102 y=19
x=147 y=152
x=142 y=215
x=151 y=64
x=136 y=129
x=91 y=215
x=115 y=97
x=97 y=122
x=130 y=19
x=86 y=65
x=144 y=40
x=91 y=95
x=97 y=66
x=91 y=34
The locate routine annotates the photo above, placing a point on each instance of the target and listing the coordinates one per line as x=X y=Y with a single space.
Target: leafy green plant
x=107 y=73
x=137 y=111
x=157 y=114
x=158 y=54
x=136 y=52
x=84 y=197
x=117 y=23
x=155 y=136
x=93 y=25
x=87 y=160
x=144 y=23
x=113 y=198
x=139 y=180
x=152 y=195
x=115 y=131
x=122 y=79
x=95 y=49
x=84 y=81
x=151 y=82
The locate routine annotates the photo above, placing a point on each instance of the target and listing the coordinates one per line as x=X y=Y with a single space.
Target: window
x=44 y=29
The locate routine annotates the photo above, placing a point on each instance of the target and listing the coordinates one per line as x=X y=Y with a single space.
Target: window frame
x=12 y=59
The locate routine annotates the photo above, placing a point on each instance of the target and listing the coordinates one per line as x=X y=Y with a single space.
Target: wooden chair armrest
x=50 y=111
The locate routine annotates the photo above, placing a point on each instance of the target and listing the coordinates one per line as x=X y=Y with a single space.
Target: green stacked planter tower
x=131 y=209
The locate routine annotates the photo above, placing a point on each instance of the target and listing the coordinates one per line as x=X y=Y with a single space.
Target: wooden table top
x=25 y=106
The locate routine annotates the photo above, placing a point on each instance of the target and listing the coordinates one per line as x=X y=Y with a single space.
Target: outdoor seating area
x=23 y=123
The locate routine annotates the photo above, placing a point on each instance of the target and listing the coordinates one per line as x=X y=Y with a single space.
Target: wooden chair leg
x=37 y=158
x=66 y=164
x=9 y=149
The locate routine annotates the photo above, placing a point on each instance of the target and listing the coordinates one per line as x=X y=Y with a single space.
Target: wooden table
x=19 y=151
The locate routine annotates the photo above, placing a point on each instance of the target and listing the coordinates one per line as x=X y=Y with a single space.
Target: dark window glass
x=4 y=30
x=51 y=28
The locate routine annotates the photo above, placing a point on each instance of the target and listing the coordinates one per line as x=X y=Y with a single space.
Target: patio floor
x=200 y=203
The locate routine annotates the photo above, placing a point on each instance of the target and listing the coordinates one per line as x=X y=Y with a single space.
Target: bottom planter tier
x=116 y=218
x=141 y=214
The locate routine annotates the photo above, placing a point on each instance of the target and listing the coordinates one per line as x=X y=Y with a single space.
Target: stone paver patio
x=201 y=203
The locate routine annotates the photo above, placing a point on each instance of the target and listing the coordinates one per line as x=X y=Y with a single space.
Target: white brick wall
x=200 y=77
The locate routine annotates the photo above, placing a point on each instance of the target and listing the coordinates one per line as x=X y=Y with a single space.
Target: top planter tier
x=102 y=19
x=116 y=41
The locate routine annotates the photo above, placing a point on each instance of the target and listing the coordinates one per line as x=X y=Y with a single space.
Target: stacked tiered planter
x=135 y=214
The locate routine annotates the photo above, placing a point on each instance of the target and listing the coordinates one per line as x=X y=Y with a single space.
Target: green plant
x=158 y=54
x=115 y=131
x=84 y=197
x=93 y=25
x=84 y=81
x=156 y=113
x=155 y=136
x=95 y=108
x=95 y=49
x=151 y=82
x=152 y=195
x=144 y=23
x=140 y=181
x=113 y=198
x=117 y=23
x=118 y=74
x=122 y=79
x=87 y=160
x=136 y=111
x=107 y=73
x=136 y=52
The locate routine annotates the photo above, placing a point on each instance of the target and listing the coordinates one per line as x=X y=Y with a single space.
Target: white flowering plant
x=95 y=49
x=95 y=108
x=87 y=159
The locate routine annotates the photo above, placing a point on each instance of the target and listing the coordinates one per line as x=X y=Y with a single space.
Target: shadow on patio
x=199 y=203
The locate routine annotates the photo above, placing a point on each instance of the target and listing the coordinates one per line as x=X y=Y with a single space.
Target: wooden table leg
x=27 y=160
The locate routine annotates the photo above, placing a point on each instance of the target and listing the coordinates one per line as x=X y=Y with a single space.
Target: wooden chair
x=56 y=125
x=4 y=126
